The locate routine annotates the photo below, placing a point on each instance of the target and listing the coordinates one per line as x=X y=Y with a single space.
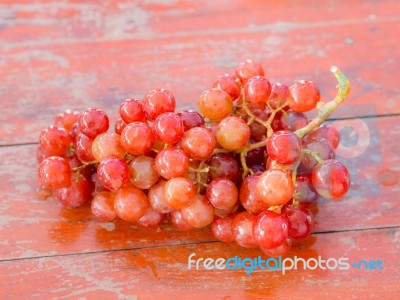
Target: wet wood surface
x=74 y=54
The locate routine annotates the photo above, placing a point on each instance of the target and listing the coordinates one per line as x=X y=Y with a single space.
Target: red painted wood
x=82 y=55
x=162 y=272
x=56 y=55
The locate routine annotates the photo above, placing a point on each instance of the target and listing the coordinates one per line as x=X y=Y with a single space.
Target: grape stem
x=294 y=171
x=219 y=150
x=314 y=155
x=128 y=158
x=267 y=124
x=204 y=170
x=198 y=171
x=243 y=153
x=78 y=169
x=326 y=109
x=276 y=209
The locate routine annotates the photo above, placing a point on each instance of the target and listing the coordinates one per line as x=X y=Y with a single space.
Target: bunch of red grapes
x=249 y=164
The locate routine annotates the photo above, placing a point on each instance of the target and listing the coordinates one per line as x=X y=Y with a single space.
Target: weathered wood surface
x=60 y=55
x=56 y=55
x=163 y=272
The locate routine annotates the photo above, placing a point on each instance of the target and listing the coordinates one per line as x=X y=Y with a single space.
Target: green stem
x=198 y=171
x=243 y=153
x=326 y=109
x=75 y=169
x=313 y=154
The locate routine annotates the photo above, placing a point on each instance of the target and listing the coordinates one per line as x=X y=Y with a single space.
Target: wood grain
x=82 y=55
x=44 y=227
x=74 y=54
x=163 y=272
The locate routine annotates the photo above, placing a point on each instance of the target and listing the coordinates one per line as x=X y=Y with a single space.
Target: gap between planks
x=178 y=245
x=329 y=119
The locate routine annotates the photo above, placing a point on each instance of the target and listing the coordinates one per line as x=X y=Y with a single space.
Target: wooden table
x=75 y=54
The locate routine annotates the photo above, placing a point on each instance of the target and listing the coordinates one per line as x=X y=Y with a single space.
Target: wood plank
x=163 y=272
x=85 y=66
x=30 y=227
x=116 y=19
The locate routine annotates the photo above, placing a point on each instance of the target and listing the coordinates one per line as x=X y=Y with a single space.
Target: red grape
x=242 y=229
x=304 y=190
x=178 y=192
x=222 y=193
x=249 y=197
x=233 y=133
x=168 y=128
x=107 y=145
x=277 y=122
x=93 y=121
x=300 y=219
x=143 y=172
x=151 y=218
x=73 y=133
x=275 y=187
x=331 y=179
x=158 y=102
x=137 y=138
x=326 y=132
x=284 y=147
x=172 y=162
x=257 y=169
x=226 y=212
x=119 y=126
x=229 y=84
x=113 y=173
x=131 y=110
x=212 y=127
x=258 y=130
x=190 y=119
x=222 y=228
x=253 y=106
x=215 y=104
x=54 y=141
x=247 y=69
x=83 y=148
x=293 y=121
x=255 y=156
x=199 y=143
x=54 y=172
x=278 y=95
x=102 y=206
x=199 y=213
x=224 y=165
x=131 y=204
x=67 y=119
x=257 y=90
x=76 y=194
x=156 y=198
x=303 y=96
x=179 y=221
x=40 y=155
x=270 y=229
x=320 y=147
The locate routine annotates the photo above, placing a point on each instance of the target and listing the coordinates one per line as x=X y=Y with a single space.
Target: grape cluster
x=250 y=164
